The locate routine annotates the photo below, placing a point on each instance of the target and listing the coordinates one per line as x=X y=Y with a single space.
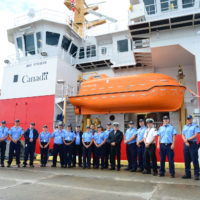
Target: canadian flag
x=73 y=5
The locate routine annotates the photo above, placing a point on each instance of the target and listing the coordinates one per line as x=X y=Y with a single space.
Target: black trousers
x=99 y=152
x=77 y=151
x=150 y=154
x=87 y=155
x=14 y=148
x=68 y=154
x=131 y=152
x=58 y=149
x=3 y=150
x=44 y=153
x=93 y=154
x=115 y=151
x=29 y=150
x=107 y=154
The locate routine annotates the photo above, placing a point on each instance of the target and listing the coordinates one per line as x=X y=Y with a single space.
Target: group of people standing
x=105 y=146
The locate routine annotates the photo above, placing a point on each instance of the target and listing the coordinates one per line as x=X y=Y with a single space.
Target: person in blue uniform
x=115 y=137
x=87 y=141
x=92 y=130
x=107 y=144
x=58 y=145
x=4 y=131
x=30 y=135
x=189 y=134
x=131 y=147
x=140 y=144
x=99 y=141
x=15 y=134
x=166 y=141
x=44 y=141
x=78 y=146
x=68 y=140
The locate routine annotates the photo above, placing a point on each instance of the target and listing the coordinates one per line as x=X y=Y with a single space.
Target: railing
x=42 y=14
x=168 y=6
x=144 y=43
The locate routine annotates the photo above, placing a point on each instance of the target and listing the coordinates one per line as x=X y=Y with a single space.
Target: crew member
x=166 y=141
x=92 y=130
x=140 y=144
x=58 y=145
x=189 y=134
x=44 y=141
x=87 y=140
x=115 y=138
x=131 y=147
x=4 y=131
x=99 y=141
x=150 y=148
x=30 y=135
x=107 y=144
x=78 y=146
x=68 y=140
x=15 y=134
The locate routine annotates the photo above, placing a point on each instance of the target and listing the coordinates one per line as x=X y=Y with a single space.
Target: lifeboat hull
x=158 y=98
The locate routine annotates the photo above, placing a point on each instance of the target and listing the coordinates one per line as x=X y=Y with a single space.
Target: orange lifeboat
x=126 y=94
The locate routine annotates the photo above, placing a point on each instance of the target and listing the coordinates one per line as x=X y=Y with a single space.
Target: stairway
x=70 y=115
x=142 y=51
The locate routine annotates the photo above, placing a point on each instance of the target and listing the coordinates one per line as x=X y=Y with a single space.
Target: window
x=29 y=44
x=122 y=45
x=82 y=53
x=103 y=50
x=39 y=41
x=52 y=38
x=188 y=3
x=168 y=5
x=150 y=6
x=20 y=46
x=65 y=43
x=73 y=50
x=91 y=51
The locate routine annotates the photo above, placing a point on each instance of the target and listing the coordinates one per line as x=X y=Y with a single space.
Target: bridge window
x=20 y=46
x=65 y=43
x=103 y=50
x=39 y=41
x=73 y=50
x=82 y=53
x=29 y=44
x=52 y=38
x=150 y=6
x=167 y=5
x=122 y=45
x=188 y=3
x=91 y=51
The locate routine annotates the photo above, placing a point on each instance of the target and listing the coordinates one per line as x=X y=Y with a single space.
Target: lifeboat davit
x=128 y=94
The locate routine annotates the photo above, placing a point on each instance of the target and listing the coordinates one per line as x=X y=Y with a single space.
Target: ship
x=59 y=55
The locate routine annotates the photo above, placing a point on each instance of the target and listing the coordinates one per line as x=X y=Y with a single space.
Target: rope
x=193 y=93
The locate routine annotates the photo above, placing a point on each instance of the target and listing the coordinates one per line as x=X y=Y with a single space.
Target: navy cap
x=99 y=126
x=60 y=124
x=165 y=117
x=109 y=124
x=149 y=120
x=141 y=120
x=32 y=123
x=3 y=122
x=131 y=122
x=87 y=127
x=189 y=117
x=115 y=124
x=69 y=125
x=78 y=126
x=45 y=126
x=17 y=120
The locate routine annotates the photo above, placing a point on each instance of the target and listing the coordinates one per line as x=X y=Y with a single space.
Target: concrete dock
x=84 y=184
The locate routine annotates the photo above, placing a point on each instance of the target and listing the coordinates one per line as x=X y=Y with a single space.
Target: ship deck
x=39 y=183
